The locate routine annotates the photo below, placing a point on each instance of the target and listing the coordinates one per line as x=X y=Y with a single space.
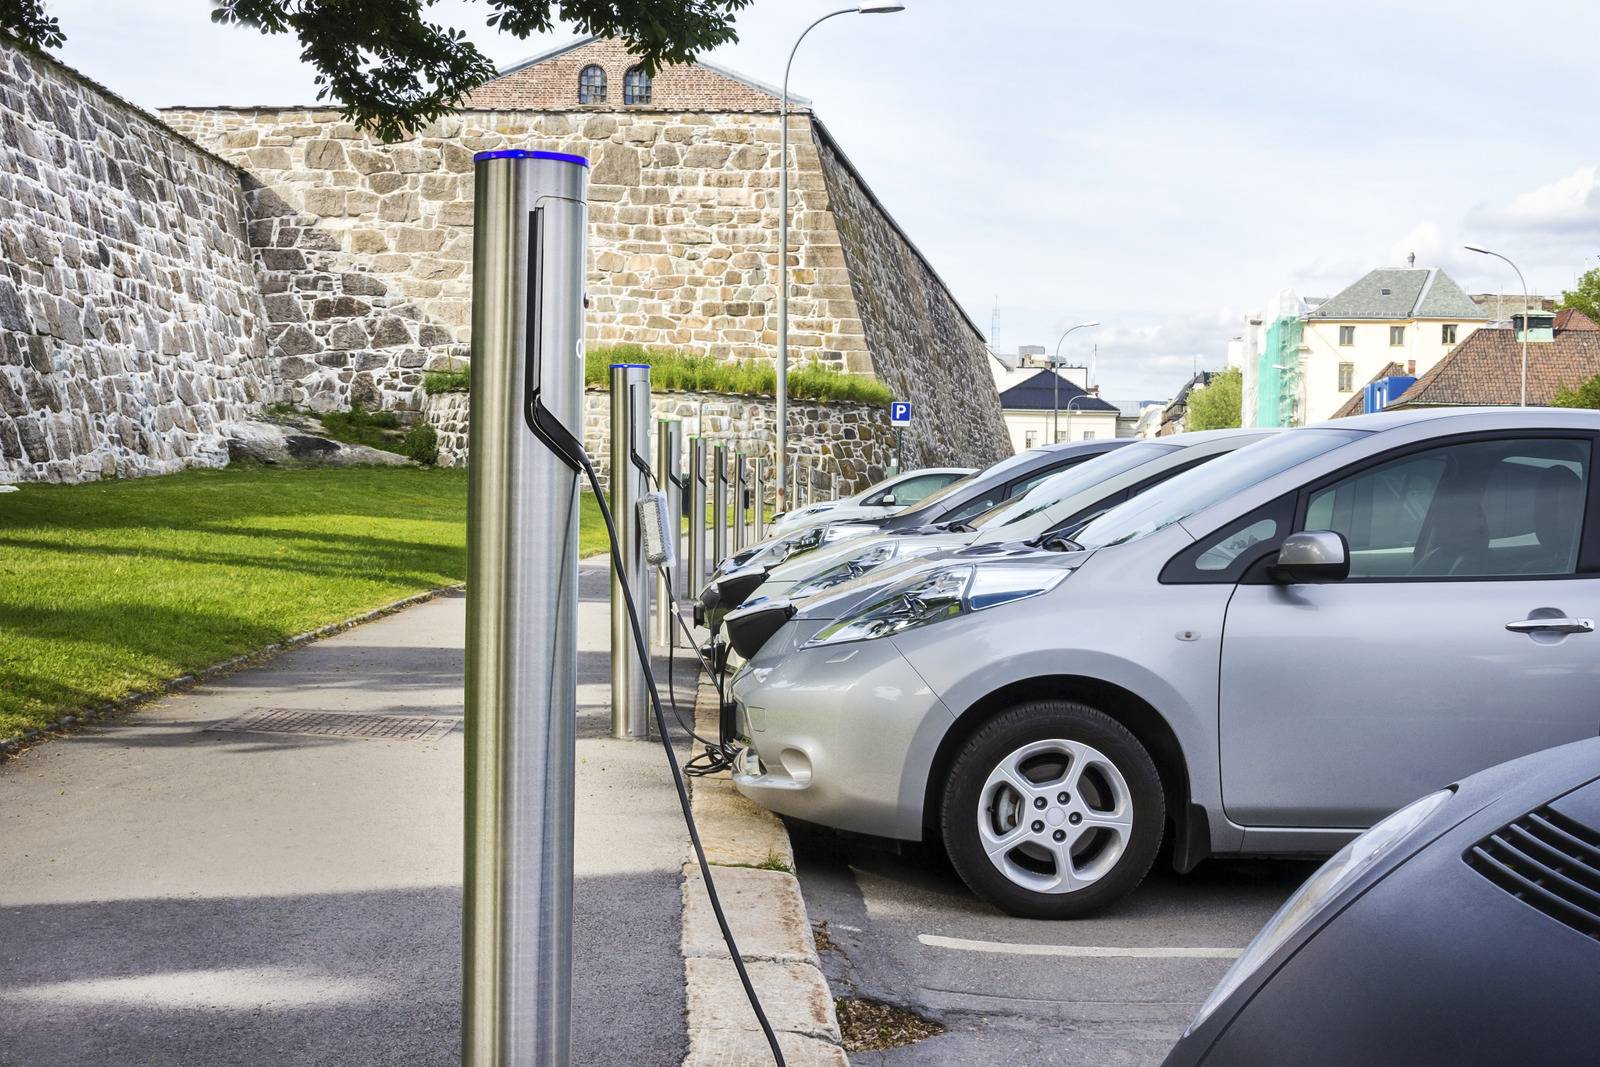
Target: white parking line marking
x=1097 y=951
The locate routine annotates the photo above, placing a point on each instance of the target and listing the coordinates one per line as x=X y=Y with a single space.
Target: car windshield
x=960 y=483
x=1175 y=500
x=1071 y=482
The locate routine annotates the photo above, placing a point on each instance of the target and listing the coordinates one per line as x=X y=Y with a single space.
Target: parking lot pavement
x=1114 y=989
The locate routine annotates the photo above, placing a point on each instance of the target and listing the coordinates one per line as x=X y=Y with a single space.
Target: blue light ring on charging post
x=528 y=153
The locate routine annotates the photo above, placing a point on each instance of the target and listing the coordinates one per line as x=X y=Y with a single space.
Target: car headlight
x=1352 y=861
x=843 y=531
x=857 y=565
x=944 y=594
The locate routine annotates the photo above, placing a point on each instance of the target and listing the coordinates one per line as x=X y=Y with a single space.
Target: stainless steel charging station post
x=719 y=504
x=530 y=222
x=630 y=463
x=697 y=515
x=794 y=483
x=741 y=486
x=669 y=447
x=758 y=494
x=835 y=489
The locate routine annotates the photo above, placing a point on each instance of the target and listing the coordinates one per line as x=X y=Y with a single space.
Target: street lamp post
x=781 y=459
x=1055 y=376
x=1071 y=402
x=1527 y=307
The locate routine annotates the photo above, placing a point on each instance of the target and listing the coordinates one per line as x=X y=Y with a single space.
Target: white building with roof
x=1412 y=316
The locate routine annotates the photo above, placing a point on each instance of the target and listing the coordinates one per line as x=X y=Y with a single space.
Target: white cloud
x=1568 y=205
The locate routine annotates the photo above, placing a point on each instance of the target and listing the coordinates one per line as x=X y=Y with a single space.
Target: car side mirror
x=886 y=501
x=1313 y=556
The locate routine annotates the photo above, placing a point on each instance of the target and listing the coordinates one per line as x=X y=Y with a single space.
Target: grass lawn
x=113 y=587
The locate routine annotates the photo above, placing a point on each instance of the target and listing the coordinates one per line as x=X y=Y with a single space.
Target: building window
x=1397 y=336
x=1347 y=377
x=1088 y=435
x=636 y=86
x=1447 y=334
x=592 y=85
x=1030 y=438
x=1347 y=336
x=1061 y=435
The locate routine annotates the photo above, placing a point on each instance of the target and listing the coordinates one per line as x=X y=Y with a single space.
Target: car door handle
x=1551 y=626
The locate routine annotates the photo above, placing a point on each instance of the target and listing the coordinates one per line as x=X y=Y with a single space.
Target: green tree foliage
x=1585 y=298
x=26 y=21
x=1216 y=407
x=392 y=70
x=1586 y=395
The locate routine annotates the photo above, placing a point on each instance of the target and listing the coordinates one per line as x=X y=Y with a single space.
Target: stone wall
x=923 y=346
x=366 y=248
x=130 y=323
x=851 y=441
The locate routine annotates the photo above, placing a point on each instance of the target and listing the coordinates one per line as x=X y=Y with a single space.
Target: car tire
x=1068 y=858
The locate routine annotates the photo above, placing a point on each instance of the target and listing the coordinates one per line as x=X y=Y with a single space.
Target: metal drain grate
x=339 y=724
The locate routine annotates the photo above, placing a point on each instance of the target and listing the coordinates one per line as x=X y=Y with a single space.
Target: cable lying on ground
x=643 y=648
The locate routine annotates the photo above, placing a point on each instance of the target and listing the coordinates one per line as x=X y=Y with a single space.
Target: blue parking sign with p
x=900 y=413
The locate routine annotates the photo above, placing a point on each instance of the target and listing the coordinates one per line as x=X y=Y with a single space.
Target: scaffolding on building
x=1279 y=396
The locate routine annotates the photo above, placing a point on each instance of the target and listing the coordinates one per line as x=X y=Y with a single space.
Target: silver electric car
x=894 y=492
x=1263 y=655
x=1057 y=503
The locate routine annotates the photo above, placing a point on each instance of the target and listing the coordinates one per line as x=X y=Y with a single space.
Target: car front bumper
x=839 y=735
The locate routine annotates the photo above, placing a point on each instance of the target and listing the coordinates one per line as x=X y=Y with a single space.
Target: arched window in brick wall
x=592 y=85
x=636 y=86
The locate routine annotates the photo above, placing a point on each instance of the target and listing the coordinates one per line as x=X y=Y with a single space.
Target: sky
x=1163 y=168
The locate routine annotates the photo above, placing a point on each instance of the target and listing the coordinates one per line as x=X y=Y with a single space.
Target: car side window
x=1474 y=509
x=1021 y=486
x=976 y=506
x=913 y=490
x=1229 y=555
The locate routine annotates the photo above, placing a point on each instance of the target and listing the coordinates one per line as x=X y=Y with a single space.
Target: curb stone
x=754 y=863
x=11 y=747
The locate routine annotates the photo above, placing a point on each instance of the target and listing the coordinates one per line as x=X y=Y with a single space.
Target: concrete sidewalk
x=174 y=894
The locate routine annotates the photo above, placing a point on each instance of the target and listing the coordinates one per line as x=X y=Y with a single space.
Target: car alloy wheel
x=1055 y=816
x=1052 y=810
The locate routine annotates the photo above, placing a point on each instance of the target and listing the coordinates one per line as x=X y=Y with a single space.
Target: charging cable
x=643 y=648
x=718 y=755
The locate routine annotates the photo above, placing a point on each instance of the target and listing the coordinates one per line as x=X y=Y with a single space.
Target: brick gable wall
x=552 y=85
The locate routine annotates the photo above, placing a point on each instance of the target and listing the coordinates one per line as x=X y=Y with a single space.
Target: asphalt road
x=1116 y=989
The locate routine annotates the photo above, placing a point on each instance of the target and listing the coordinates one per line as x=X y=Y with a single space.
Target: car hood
x=843 y=599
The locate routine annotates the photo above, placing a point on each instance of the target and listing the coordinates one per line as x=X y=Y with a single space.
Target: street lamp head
x=1086 y=325
x=1480 y=251
x=878 y=7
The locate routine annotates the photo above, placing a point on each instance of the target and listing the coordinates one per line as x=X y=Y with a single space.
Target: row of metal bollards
x=730 y=484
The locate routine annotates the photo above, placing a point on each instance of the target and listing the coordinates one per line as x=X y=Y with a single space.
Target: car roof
x=934 y=470
x=1491 y=416
x=1196 y=437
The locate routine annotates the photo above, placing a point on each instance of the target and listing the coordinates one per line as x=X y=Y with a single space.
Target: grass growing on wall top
x=673 y=370
x=118 y=586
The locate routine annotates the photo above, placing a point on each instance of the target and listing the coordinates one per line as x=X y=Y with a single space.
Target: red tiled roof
x=1573 y=319
x=1486 y=369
